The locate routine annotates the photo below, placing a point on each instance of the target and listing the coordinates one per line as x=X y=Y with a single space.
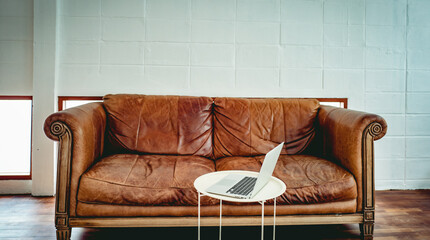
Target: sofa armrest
x=347 y=138
x=80 y=132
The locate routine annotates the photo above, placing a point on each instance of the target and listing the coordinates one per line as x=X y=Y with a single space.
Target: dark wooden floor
x=399 y=215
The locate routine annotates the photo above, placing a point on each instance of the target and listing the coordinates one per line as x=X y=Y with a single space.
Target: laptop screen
x=267 y=168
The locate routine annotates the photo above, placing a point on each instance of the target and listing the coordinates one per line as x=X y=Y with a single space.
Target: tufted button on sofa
x=131 y=160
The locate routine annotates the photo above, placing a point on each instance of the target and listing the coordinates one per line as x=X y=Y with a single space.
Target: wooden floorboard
x=399 y=215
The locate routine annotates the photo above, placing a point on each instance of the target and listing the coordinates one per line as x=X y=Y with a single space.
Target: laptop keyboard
x=243 y=187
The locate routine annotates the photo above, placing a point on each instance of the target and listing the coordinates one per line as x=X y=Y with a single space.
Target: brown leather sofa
x=131 y=160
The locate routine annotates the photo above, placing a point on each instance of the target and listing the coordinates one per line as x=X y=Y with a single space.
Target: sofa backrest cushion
x=248 y=127
x=159 y=124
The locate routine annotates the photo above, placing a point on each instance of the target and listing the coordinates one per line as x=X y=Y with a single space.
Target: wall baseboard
x=402 y=184
x=15 y=186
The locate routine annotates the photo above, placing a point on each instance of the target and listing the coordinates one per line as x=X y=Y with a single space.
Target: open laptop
x=242 y=186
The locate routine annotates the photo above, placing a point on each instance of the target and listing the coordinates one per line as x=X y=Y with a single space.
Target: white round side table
x=271 y=190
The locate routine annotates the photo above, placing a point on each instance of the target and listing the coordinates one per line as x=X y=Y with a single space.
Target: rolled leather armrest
x=80 y=131
x=344 y=134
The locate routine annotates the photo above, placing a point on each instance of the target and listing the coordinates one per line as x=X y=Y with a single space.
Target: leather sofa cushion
x=309 y=179
x=159 y=124
x=249 y=127
x=162 y=180
x=129 y=179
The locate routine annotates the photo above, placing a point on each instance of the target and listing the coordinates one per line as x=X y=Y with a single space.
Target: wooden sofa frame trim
x=64 y=222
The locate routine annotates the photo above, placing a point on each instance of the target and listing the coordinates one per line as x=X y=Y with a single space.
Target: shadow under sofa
x=131 y=160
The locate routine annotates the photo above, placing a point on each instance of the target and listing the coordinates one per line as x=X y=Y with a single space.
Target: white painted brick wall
x=162 y=30
x=167 y=9
x=213 y=10
x=212 y=77
x=166 y=77
x=123 y=29
x=385 y=102
x=385 y=12
x=418 y=103
x=397 y=124
x=216 y=55
x=335 y=35
x=128 y=8
x=344 y=57
x=257 y=32
x=120 y=53
x=392 y=37
x=419 y=81
x=16 y=28
x=212 y=32
x=78 y=52
x=385 y=80
x=417 y=147
x=251 y=78
x=418 y=12
x=417 y=169
x=298 y=79
x=336 y=11
x=257 y=56
x=298 y=11
x=350 y=81
x=81 y=8
x=374 y=52
x=16 y=47
x=301 y=56
x=167 y=54
x=301 y=33
x=113 y=75
x=80 y=28
x=392 y=170
x=417 y=125
x=258 y=10
x=419 y=59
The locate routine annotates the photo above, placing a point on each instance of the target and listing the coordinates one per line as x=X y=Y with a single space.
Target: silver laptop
x=242 y=186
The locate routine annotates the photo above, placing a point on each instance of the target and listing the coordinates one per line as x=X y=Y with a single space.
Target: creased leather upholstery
x=88 y=124
x=153 y=180
x=111 y=210
x=159 y=124
x=157 y=180
x=341 y=139
x=137 y=155
x=247 y=127
x=309 y=179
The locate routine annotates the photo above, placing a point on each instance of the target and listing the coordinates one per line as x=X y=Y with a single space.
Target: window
x=15 y=137
x=335 y=102
x=68 y=102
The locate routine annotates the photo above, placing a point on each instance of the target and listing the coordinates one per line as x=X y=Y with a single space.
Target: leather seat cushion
x=309 y=179
x=129 y=179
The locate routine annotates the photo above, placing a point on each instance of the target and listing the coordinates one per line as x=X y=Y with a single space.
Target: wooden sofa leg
x=63 y=229
x=64 y=234
x=366 y=230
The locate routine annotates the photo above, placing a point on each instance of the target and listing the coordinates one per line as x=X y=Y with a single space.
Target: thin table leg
x=220 y=218
x=198 y=217
x=274 y=218
x=262 y=220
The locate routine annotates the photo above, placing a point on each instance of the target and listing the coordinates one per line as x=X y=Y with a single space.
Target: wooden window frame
x=342 y=100
x=21 y=177
x=62 y=99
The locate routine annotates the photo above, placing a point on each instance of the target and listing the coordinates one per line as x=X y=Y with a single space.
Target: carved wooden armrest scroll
x=373 y=132
x=64 y=135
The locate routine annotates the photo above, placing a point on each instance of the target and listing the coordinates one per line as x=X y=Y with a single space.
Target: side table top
x=273 y=188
